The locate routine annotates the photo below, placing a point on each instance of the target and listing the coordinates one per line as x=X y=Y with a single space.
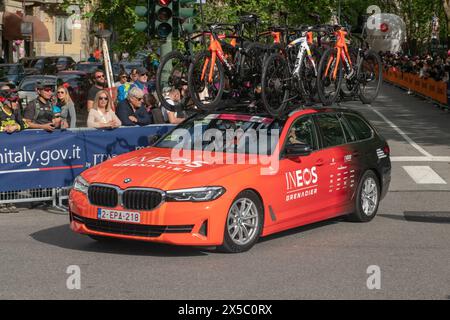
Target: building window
x=63 y=33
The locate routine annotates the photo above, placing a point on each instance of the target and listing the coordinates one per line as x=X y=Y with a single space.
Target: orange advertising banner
x=435 y=90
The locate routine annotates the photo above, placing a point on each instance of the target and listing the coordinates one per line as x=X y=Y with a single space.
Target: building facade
x=56 y=31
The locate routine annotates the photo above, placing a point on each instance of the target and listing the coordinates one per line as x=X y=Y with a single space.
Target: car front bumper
x=179 y=223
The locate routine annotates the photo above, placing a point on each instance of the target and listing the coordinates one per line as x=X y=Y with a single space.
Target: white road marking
x=404 y=135
x=420 y=159
x=424 y=175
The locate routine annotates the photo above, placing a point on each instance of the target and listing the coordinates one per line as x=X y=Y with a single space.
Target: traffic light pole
x=166 y=47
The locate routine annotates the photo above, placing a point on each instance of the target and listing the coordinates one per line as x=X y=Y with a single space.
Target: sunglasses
x=103 y=98
x=60 y=92
x=99 y=77
x=144 y=74
x=139 y=99
x=48 y=89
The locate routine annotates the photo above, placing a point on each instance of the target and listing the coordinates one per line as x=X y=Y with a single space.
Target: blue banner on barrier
x=37 y=159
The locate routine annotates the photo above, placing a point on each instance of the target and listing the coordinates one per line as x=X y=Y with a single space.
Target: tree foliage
x=119 y=15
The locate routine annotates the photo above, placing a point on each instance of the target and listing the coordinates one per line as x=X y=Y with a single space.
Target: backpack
x=37 y=109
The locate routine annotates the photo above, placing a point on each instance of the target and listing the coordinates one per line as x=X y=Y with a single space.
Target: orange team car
x=225 y=179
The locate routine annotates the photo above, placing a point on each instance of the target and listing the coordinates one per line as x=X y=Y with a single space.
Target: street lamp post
x=104 y=35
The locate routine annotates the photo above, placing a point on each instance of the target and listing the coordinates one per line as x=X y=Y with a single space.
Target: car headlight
x=195 y=194
x=80 y=184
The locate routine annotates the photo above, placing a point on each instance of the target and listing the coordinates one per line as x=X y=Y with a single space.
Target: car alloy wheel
x=369 y=197
x=242 y=222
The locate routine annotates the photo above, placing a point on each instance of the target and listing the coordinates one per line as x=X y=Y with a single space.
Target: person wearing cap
x=10 y=118
x=131 y=111
x=142 y=81
x=123 y=87
x=38 y=114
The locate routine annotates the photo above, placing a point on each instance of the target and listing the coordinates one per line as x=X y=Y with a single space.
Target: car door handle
x=320 y=162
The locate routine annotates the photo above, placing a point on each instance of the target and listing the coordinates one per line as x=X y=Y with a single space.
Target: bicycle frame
x=342 y=53
x=305 y=48
x=216 y=52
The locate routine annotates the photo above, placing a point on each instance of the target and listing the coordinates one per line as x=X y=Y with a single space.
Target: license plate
x=122 y=216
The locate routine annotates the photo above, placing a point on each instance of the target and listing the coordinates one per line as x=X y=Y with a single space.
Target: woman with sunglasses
x=65 y=103
x=101 y=116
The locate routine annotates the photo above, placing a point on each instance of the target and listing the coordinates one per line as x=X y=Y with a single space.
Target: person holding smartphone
x=38 y=114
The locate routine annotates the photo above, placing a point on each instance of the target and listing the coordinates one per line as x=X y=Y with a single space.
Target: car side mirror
x=298 y=150
x=152 y=139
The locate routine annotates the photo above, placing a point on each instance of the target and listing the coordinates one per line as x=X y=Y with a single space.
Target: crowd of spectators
x=426 y=66
x=134 y=104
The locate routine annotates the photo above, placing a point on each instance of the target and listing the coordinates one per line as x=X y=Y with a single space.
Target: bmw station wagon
x=324 y=163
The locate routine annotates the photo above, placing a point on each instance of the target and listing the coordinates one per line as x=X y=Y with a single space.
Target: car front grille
x=103 y=196
x=133 y=199
x=141 y=199
x=128 y=229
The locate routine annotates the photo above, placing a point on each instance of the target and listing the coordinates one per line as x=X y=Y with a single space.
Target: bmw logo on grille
x=127 y=180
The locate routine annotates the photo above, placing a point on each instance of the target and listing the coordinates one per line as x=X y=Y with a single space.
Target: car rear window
x=332 y=133
x=361 y=129
x=29 y=84
x=89 y=68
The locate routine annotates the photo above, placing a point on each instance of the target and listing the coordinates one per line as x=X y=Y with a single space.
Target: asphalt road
x=409 y=240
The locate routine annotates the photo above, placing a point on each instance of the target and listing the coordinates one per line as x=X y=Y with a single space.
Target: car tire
x=244 y=223
x=367 y=199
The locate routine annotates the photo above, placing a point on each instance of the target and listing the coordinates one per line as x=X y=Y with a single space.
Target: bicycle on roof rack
x=172 y=73
x=226 y=71
x=349 y=72
x=291 y=74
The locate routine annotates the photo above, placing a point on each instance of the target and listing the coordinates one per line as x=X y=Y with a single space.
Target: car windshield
x=9 y=70
x=229 y=133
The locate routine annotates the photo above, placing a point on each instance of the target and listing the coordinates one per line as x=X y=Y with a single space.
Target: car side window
x=361 y=129
x=332 y=132
x=349 y=135
x=302 y=131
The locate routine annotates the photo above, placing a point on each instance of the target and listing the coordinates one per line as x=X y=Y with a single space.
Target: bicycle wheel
x=308 y=76
x=251 y=66
x=370 y=77
x=328 y=84
x=349 y=86
x=172 y=74
x=206 y=92
x=275 y=85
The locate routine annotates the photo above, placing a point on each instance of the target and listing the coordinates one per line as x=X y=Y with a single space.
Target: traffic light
x=163 y=18
x=183 y=9
x=144 y=10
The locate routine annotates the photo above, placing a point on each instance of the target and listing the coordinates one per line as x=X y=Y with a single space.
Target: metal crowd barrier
x=31 y=195
x=56 y=195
